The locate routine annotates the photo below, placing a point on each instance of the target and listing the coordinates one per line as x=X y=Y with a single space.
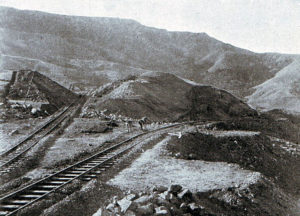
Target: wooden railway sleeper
x=85 y=179
x=80 y=169
x=19 y=202
x=39 y=191
x=29 y=196
x=9 y=207
x=62 y=178
x=90 y=176
x=53 y=182
x=91 y=166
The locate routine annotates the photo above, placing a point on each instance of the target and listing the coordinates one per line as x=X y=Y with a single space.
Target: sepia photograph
x=150 y=107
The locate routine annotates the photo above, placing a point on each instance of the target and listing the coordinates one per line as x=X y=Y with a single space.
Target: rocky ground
x=213 y=166
x=177 y=200
x=254 y=187
x=14 y=130
x=236 y=161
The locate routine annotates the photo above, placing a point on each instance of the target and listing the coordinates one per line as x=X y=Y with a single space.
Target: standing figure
x=143 y=122
x=129 y=124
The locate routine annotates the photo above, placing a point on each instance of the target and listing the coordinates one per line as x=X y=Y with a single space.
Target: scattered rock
x=116 y=210
x=110 y=207
x=186 y=194
x=173 y=199
x=165 y=195
x=115 y=199
x=184 y=207
x=141 y=194
x=162 y=210
x=175 y=189
x=129 y=213
x=131 y=197
x=98 y=213
x=160 y=201
x=160 y=189
x=175 y=211
x=178 y=201
x=143 y=199
x=195 y=209
x=15 y=132
x=145 y=210
x=154 y=188
x=192 y=156
x=193 y=206
x=124 y=204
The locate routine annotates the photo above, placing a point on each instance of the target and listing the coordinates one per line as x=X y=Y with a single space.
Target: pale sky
x=257 y=25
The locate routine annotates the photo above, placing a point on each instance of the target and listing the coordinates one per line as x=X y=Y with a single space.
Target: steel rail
x=77 y=170
x=35 y=131
x=56 y=120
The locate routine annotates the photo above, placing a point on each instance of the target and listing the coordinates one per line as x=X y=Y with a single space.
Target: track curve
x=85 y=170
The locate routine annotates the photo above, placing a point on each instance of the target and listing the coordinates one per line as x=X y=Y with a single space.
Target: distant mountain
x=94 y=51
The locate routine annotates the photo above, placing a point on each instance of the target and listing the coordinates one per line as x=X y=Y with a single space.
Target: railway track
x=86 y=170
x=8 y=158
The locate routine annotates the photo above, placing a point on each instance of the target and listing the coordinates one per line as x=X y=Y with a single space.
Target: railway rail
x=13 y=154
x=86 y=170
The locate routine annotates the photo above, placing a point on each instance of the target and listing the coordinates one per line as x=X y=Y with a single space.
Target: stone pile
x=90 y=113
x=161 y=200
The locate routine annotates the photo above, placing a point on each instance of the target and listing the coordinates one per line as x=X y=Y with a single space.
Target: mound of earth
x=166 y=97
x=274 y=123
x=255 y=152
x=206 y=101
x=33 y=86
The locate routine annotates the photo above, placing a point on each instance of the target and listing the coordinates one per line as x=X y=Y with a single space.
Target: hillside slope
x=97 y=50
x=280 y=92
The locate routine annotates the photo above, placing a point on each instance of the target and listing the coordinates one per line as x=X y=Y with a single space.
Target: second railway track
x=21 y=148
x=85 y=170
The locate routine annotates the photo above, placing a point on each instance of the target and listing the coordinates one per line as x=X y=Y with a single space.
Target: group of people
x=113 y=118
x=142 y=122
